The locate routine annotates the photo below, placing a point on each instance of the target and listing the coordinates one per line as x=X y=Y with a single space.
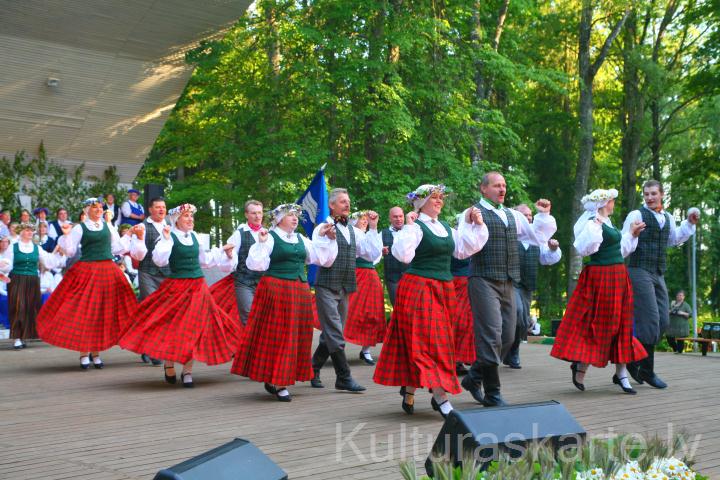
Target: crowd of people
x=460 y=294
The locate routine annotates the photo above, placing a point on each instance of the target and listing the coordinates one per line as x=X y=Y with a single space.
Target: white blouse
x=547 y=256
x=469 y=238
x=118 y=246
x=50 y=260
x=319 y=251
x=368 y=245
x=590 y=238
x=214 y=258
x=47 y=282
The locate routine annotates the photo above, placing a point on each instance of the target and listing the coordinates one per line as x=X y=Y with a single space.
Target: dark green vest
x=287 y=260
x=529 y=263
x=362 y=263
x=242 y=274
x=392 y=267
x=651 y=250
x=95 y=246
x=460 y=268
x=609 y=252
x=152 y=236
x=184 y=261
x=433 y=254
x=341 y=275
x=25 y=263
x=498 y=260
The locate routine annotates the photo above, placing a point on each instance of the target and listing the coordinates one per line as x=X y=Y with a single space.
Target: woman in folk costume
x=419 y=346
x=4 y=280
x=365 y=324
x=277 y=342
x=20 y=261
x=597 y=327
x=91 y=306
x=180 y=322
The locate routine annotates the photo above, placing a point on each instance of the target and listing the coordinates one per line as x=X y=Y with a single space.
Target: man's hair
x=653 y=183
x=60 y=210
x=252 y=202
x=485 y=181
x=155 y=199
x=518 y=207
x=336 y=192
x=680 y=291
x=396 y=206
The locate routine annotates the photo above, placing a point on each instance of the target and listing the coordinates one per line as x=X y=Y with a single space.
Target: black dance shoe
x=270 y=388
x=170 y=378
x=460 y=369
x=616 y=381
x=436 y=406
x=84 y=366
x=575 y=370
x=408 y=408
x=185 y=384
x=99 y=365
x=283 y=398
x=368 y=361
x=315 y=382
x=474 y=389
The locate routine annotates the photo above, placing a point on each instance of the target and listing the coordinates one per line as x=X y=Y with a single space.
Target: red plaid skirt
x=365 y=324
x=463 y=323
x=180 y=322
x=90 y=308
x=419 y=346
x=316 y=320
x=597 y=325
x=223 y=292
x=277 y=344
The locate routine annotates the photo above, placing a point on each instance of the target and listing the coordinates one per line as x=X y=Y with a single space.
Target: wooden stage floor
x=124 y=422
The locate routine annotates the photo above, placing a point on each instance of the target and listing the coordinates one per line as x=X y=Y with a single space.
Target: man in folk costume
x=132 y=212
x=91 y=307
x=235 y=293
x=646 y=268
x=393 y=268
x=55 y=227
x=335 y=283
x=150 y=276
x=530 y=257
x=490 y=283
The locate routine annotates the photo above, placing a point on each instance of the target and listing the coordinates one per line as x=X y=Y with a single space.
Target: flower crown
x=358 y=214
x=92 y=201
x=180 y=209
x=424 y=191
x=26 y=226
x=284 y=209
x=600 y=195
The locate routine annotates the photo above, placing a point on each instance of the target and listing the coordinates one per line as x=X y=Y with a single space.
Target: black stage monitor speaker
x=151 y=191
x=486 y=432
x=236 y=460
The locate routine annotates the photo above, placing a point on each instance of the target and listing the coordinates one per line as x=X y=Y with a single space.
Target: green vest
x=362 y=263
x=609 y=252
x=95 y=246
x=287 y=260
x=25 y=263
x=433 y=254
x=184 y=261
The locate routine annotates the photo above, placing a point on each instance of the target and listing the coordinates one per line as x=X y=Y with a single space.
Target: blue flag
x=315 y=210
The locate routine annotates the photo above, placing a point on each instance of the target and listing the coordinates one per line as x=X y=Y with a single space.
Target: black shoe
x=652 y=379
x=461 y=369
x=84 y=366
x=315 y=382
x=283 y=398
x=469 y=385
x=97 y=365
x=634 y=371
x=145 y=358
x=185 y=384
x=367 y=360
x=170 y=378
x=436 y=406
x=270 y=389
x=616 y=381
x=408 y=408
x=514 y=366
x=575 y=370
x=90 y=356
x=494 y=400
x=156 y=362
x=348 y=384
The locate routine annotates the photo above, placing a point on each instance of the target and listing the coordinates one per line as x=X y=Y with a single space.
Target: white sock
x=187 y=377
x=97 y=360
x=283 y=393
x=622 y=374
x=84 y=361
x=446 y=407
x=18 y=342
x=366 y=349
x=366 y=353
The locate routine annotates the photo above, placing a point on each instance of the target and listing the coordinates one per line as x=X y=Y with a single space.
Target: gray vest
x=498 y=260
x=147 y=265
x=392 y=267
x=242 y=274
x=650 y=253
x=529 y=263
x=341 y=275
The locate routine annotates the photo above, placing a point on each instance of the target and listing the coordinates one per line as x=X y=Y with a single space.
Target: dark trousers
x=677 y=345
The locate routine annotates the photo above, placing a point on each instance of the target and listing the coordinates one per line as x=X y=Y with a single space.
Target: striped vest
x=498 y=260
x=242 y=274
x=650 y=253
x=529 y=263
x=341 y=275
x=392 y=267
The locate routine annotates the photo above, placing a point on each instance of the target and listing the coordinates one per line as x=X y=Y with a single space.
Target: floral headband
x=180 y=209
x=26 y=226
x=357 y=215
x=424 y=191
x=598 y=198
x=277 y=213
x=92 y=201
